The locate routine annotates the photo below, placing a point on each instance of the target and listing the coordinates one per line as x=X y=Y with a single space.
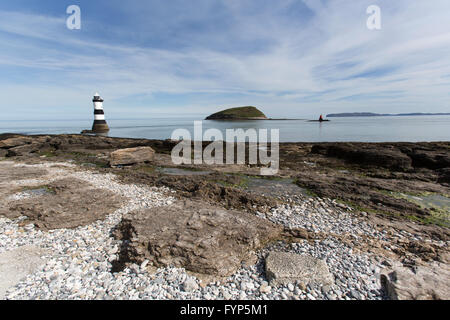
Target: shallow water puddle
x=39 y=192
x=182 y=172
x=438 y=205
x=274 y=187
x=31 y=193
x=431 y=201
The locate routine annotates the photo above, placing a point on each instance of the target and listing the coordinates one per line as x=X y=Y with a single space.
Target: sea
x=351 y=129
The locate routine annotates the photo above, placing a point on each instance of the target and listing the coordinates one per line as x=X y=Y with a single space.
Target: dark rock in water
x=132 y=156
x=241 y=113
x=196 y=236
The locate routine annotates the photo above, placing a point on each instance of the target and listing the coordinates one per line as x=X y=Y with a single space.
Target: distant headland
x=371 y=114
x=241 y=113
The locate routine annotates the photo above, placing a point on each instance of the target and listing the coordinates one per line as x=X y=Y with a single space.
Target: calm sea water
x=370 y=129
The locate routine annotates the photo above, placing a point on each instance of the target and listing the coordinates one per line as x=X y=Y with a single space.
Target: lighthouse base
x=100 y=127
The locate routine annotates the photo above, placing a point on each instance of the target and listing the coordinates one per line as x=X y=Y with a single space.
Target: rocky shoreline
x=346 y=216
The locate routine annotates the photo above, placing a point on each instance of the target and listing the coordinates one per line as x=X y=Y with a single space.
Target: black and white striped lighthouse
x=100 y=125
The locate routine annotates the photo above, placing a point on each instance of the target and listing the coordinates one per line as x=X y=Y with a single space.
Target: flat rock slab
x=285 y=267
x=17 y=264
x=424 y=283
x=131 y=156
x=69 y=203
x=196 y=236
x=9 y=172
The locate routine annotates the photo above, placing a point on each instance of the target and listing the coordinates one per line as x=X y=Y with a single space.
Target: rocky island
x=92 y=217
x=241 y=113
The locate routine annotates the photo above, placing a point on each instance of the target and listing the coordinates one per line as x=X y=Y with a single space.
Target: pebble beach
x=77 y=263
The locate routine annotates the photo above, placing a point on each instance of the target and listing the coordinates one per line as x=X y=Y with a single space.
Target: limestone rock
x=196 y=236
x=285 y=267
x=190 y=285
x=424 y=283
x=132 y=156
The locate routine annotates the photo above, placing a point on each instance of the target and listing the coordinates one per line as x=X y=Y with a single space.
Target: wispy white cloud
x=289 y=57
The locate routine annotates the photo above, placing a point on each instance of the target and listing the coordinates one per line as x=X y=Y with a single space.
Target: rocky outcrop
x=370 y=188
x=394 y=156
x=15 y=142
x=286 y=267
x=430 y=159
x=424 y=283
x=16 y=146
x=194 y=235
x=444 y=175
x=23 y=150
x=132 y=156
x=385 y=157
x=79 y=143
x=364 y=191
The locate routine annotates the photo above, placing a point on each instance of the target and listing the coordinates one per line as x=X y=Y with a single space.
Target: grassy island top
x=241 y=113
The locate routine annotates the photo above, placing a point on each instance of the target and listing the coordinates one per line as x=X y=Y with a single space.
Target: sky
x=289 y=58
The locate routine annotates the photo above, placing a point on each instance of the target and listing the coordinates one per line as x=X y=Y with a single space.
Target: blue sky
x=290 y=58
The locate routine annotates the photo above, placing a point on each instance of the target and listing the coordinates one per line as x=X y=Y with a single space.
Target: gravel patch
x=327 y=216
